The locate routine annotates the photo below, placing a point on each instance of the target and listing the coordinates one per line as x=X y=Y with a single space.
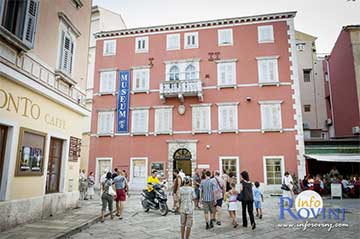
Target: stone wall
x=16 y=212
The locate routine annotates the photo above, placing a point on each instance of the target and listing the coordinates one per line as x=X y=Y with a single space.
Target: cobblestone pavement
x=140 y=225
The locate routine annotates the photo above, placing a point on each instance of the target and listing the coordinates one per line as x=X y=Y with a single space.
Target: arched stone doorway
x=182 y=160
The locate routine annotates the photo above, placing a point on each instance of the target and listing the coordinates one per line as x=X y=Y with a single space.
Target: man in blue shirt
x=207 y=195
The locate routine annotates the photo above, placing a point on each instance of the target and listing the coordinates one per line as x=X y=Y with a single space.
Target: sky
x=321 y=18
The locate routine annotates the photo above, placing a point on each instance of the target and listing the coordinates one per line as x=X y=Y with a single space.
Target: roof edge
x=189 y=25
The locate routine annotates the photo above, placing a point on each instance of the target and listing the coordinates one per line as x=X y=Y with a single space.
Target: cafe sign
x=27 y=108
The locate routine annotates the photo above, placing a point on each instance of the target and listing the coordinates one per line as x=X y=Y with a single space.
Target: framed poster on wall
x=31 y=151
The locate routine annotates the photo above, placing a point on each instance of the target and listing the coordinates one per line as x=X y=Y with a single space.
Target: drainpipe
x=330 y=92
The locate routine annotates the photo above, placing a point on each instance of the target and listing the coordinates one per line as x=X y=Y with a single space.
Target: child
x=258 y=198
x=231 y=197
x=186 y=207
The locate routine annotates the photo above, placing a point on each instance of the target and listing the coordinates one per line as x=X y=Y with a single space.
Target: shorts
x=219 y=202
x=208 y=207
x=197 y=193
x=186 y=220
x=176 y=200
x=120 y=195
x=107 y=201
x=257 y=204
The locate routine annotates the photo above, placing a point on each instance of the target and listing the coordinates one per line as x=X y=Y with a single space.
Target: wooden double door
x=54 y=166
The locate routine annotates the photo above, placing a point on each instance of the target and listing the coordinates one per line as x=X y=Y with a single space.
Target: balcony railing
x=180 y=89
x=42 y=73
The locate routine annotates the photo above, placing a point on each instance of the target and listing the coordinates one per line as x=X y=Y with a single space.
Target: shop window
x=31 y=151
x=159 y=167
x=230 y=165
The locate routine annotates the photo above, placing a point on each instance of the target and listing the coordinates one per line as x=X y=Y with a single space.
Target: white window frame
x=103 y=91
x=146 y=70
x=172 y=37
x=235 y=128
x=131 y=175
x=191 y=46
x=266 y=59
x=265 y=171
x=264 y=28
x=146 y=131
x=111 y=112
x=108 y=42
x=168 y=109
x=97 y=176
x=272 y=103
x=300 y=46
x=146 y=47
x=193 y=111
x=225 y=63
x=223 y=31
x=221 y=158
x=182 y=65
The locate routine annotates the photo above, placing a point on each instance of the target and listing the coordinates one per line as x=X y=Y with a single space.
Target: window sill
x=266 y=41
x=139 y=134
x=191 y=47
x=163 y=133
x=228 y=131
x=271 y=130
x=65 y=77
x=225 y=44
x=140 y=91
x=227 y=86
x=141 y=51
x=173 y=49
x=107 y=93
x=109 y=54
x=201 y=132
x=277 y=83
x=105 y=135
x=13 y=40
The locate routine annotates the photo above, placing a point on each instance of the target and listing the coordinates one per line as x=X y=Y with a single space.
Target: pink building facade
x=342 y=83
x=220 y=94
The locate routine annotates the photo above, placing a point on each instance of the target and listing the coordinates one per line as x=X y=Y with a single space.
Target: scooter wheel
x=163 y=209
x=145 y=207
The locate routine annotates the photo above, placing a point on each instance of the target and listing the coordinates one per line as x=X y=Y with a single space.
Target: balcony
x=180 y=89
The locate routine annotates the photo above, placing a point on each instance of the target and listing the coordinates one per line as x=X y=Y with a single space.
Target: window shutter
x=276 y=116
x=143 y=80
x=229 y=73
x=30 y=22
x=263 y=71
x=222 y=69
x=71 y=53
x=265 y=117
x=135 y=121
x=272 y=67
x=232 y=124
x=223 y=113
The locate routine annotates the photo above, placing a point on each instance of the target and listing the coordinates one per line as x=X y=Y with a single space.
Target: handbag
x=240 y=196
x=111 y=191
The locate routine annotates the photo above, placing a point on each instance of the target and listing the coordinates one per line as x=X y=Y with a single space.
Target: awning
x=346 y=158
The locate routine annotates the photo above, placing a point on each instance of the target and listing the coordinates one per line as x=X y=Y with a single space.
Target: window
x=190 y=72
x=160 y=168
x=268 y=70
x=225 y=37
x=226 y=74
x=19 y=18
x=107 y=81
x=230 y=165
x=191 y=40
x=227 y=117
x=265 y=34
x=307 y=108
x=141 y=80
x=273 y=170
x=201 y=119
x=174 y=73
x=105 y=122
x=31 y=151
x=163 y=120
x=109 y=48
x=141 y=44
x=271 y=116
x=173 y=42
x=139 y=121
x=67 y=52
x=300 y=46
x=307 y=75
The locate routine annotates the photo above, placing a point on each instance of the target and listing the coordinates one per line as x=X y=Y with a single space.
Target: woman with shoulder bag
x=247 y=200
x=107 y=196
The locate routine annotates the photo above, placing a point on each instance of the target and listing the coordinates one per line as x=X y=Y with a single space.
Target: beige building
x=311 y=78
x=101 y=20
x=43 y=73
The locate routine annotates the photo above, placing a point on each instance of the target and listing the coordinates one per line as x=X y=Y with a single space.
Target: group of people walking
x=211 y=191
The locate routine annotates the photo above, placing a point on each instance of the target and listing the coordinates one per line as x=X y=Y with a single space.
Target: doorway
x=3 y=136
x=54 y=166
x=138 y=172
x=182 y=160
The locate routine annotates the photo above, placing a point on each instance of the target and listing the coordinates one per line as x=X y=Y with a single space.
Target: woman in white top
x=288 y=181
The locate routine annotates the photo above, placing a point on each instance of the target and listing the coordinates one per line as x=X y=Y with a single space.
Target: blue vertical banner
x=123 y=102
